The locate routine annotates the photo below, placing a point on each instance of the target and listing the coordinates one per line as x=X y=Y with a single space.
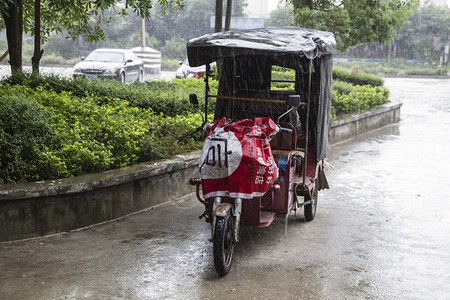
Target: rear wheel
x=141 y=76
x=223 y=244
x=310 y=209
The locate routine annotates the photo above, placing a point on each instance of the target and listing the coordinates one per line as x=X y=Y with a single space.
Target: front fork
x=221 y=210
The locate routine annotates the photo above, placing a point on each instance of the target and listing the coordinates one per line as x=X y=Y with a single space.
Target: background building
x=257 y=8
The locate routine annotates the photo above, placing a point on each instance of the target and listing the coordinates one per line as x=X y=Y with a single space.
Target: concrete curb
x=342 y=130
x=90 y=182
x=41 y=208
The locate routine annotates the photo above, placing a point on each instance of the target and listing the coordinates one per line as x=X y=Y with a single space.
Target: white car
x=186 y=71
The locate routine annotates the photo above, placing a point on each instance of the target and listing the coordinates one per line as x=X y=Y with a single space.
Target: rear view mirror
x=193 y=99
x=293 y=100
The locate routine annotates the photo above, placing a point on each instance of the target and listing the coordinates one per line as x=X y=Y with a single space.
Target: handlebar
x=287 y=130
x=198 y=129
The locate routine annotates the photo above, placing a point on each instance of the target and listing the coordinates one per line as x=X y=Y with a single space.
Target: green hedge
x=393 y=67
x=356 y=77
x=357 y=99
x=46 y=134
x=168 y=97
x=353 y=76
x=342 y=87
x=279 y=73
x=25 y=135
x=418 y=71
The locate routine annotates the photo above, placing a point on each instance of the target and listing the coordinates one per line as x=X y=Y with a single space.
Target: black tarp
x=263 y=41
x=289 y=47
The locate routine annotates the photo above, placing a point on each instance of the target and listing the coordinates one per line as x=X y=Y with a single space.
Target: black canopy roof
x=263 y=41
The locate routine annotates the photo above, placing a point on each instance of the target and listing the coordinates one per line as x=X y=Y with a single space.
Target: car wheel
x=141 y=76
x=122 y=77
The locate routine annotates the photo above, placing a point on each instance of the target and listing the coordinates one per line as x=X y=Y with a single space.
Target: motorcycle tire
x=223 y=244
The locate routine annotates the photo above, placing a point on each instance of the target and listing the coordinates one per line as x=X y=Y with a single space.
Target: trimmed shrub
x=342 y=87
x=418 y=71
x=25 y=135
x=52 y=59
x=279 y=73
x=360 y=99
x=170 y=98
x=46 y=135
x=356 y=77
x=171 y=136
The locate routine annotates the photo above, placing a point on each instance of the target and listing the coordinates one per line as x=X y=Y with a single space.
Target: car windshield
x=105 y=56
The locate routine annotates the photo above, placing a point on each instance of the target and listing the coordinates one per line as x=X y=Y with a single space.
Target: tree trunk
x=13 y=17
x=228 y=15
x=37 y=55
x=218 y=24
x=389 y=52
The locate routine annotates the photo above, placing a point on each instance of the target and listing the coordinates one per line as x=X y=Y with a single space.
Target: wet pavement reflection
x=381 y=232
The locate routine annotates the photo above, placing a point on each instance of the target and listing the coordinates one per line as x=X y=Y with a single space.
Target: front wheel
x=310 y=209
x=223 y=244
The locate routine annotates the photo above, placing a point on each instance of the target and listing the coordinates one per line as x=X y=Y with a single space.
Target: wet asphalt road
x=382 y=232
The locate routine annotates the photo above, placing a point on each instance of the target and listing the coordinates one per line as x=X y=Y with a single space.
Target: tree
x=228 y=15
x=73 y=16
x=12 y=13
x=424 y=34
x=354 y=22
x=2 y=23
x=422 y=37
x=282 y=16
x=218 y=23
x=37 y=37
x=165 y=32
x=192 y=21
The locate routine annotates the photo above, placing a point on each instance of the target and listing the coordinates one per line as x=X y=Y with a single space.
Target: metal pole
x=142 y=23
x=307 y=122
x=208 y=69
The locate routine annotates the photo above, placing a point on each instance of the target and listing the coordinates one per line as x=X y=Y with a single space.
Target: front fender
x=222 y=209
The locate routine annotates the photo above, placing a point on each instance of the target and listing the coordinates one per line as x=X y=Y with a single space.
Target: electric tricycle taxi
x=263 y=154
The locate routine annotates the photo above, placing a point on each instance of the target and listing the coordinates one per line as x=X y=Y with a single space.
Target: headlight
x=111 y=71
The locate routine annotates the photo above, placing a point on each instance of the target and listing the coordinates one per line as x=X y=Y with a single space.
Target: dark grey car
x=120 y=64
